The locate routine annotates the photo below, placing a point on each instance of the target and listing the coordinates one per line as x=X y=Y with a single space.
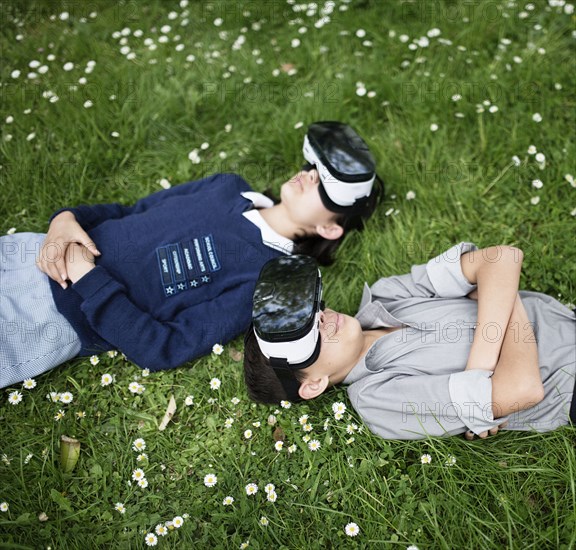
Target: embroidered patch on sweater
x=187 y=265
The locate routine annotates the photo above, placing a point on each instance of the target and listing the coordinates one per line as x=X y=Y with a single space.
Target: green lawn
x=446 y=93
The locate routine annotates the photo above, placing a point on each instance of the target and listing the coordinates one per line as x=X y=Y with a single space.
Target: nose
x=326 y=316
x=313 y=176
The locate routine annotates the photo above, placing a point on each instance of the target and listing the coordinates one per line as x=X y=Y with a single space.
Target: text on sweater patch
x=187 y=265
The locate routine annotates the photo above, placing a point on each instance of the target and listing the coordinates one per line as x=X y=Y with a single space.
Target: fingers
x=91 y=247
x=51 y=262
x=469 y=434
x=60 y=272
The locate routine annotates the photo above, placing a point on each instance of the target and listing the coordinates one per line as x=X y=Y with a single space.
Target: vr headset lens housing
x=286 y=311
x=344 y=162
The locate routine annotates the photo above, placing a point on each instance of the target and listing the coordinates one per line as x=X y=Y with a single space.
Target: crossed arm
x=68 y=252
x=504 y=341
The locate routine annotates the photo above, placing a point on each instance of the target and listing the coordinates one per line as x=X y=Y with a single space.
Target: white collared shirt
x=269 y=237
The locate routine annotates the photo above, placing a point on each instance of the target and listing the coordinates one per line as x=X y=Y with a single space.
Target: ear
x=330 y=231
x=311 y=388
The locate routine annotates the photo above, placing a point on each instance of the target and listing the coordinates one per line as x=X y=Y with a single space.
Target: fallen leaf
x=235 y=355
x=69 y=453
x=279 y=434
x=170 y=410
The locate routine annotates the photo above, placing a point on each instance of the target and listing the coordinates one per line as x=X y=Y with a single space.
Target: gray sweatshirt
x=412 y=384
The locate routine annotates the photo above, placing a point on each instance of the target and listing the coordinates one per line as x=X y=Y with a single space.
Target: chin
x=284 y=189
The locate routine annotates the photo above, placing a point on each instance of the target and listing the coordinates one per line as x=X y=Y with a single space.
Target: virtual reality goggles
x=345 y=165
x=286 y=316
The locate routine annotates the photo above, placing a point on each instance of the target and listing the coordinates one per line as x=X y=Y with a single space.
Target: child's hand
x=79 y=261
x=64 y=230
x=469 y=435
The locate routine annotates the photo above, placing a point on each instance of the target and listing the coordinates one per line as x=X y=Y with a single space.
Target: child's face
x=341 y=345
x=301 y=198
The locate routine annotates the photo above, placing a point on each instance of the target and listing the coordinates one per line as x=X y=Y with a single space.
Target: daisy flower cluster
x=251 y=489
x=15 y=397
x=139 y=476
x=136 y=388
x=162 y=529
x=338 y=409
x=540 y=161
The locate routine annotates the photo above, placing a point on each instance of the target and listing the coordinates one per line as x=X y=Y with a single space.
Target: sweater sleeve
x=90 y=216
x=415 y=407
x=154 y=344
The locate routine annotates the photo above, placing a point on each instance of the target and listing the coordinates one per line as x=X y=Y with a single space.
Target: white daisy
x=66 y=398
x=29 y=383
x=251 y=489
x=14 y=397
x=314 y=445
x=352 y=529
x=178 y=521
x=151 y=539
x=210 y=480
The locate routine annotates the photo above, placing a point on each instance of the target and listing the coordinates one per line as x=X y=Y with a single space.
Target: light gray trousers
x=34 y=336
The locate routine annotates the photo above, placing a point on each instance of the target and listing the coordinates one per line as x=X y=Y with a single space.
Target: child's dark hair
x=261 y=382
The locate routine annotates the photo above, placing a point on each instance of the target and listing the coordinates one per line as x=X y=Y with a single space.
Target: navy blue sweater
x=176 y=274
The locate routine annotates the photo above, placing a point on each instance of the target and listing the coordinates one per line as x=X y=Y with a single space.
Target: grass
x=513 y=491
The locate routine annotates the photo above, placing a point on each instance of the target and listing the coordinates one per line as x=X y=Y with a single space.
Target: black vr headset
x=286 y=316
x=345 y=165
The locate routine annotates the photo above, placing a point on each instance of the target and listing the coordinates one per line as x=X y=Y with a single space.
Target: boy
x=449 y=348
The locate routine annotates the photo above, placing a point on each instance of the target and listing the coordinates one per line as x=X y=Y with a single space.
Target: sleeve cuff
x=471 y=395
x=92 y=282
x=445 y=272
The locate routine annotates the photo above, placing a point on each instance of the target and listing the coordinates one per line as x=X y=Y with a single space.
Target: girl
x=162 y=280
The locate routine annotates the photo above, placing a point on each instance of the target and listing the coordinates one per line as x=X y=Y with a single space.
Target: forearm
x=496 y=274
x=516 y=382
